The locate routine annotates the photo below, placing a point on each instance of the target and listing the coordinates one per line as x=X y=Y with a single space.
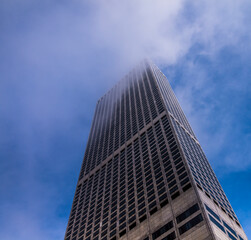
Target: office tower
x=144 y=174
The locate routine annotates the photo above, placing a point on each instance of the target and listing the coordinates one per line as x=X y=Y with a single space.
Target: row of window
x=202 y=171
x=222 y=225
x=183 y=228
x=170 y=99
x=176 y=163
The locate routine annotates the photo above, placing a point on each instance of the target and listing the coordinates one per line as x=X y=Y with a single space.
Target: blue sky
x=58 y=57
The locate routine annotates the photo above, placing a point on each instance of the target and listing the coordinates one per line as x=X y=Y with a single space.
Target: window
x=154 y=210
x=141 y=200
x=161 y=191
x=181 y=170
x=170 y=236
x=187 y=213
x=193 y=222
x=173 y=190
x=162 y=230
x=131 y=213
x=169 y=179
x=231 y=236
x=141 y=206
x=142 y=211
x=229 y=228
x=213 y=213
x=122 y=233
x=132 y=226
x=183 y=182
x=113 y=226
x=113 y=233
x=216 y=223
x=151 y=198
x=187 y=187
x=142 y=218
x=171 y=184
x=241 y=238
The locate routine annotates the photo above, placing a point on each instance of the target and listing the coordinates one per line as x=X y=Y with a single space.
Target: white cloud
x=123 y=32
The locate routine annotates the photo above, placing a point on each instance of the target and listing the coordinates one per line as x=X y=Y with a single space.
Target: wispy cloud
x=83 y=33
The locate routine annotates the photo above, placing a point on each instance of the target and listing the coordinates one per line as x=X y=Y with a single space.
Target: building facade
x=144 y=174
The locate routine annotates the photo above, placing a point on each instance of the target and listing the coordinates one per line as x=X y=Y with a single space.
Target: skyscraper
x=144 y=174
